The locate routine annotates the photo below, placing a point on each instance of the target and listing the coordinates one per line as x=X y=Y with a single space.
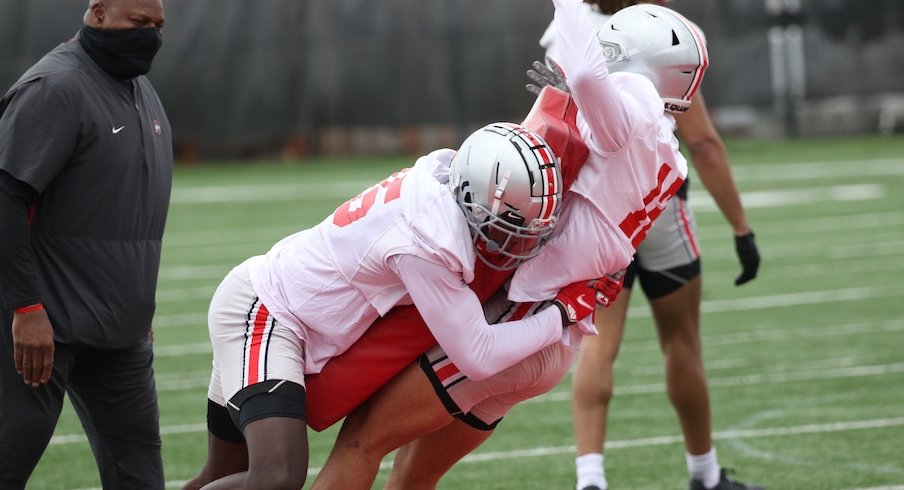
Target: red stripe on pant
x=257 y=336
x=686 y=226
x=446 y=372
x=521 y=311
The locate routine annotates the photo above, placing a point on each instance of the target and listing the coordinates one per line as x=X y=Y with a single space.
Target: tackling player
x=410 y=239
x=634 y=168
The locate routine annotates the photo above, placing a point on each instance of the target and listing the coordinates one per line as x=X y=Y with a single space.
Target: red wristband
x=30 y=308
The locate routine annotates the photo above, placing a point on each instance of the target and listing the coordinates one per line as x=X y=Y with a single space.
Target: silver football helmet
x=662 y=45
x=508 y=183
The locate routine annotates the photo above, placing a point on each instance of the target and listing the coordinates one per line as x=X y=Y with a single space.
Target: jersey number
x=358 y=206
x=636 y=225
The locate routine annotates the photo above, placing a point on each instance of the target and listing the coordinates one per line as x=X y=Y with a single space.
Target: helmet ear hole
x=675 y=40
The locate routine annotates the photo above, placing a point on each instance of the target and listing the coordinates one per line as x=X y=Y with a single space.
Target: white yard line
x=876 y=262
x=482 y=457
x=893 y=487
x=677 y=439
x=871 y=257
x=641 y=311
x=819 y=170
x=702 y=201
x=267 y=192
x=812 y=370
x=786 y=300
x=707 y=306
x=562 y=396
x=185 y=194
x=744 y=380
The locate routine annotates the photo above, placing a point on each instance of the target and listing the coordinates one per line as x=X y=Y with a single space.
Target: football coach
x=86 y=166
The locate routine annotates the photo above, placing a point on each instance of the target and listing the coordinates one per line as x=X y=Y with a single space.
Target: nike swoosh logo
x=116 y=130
x=583 y=302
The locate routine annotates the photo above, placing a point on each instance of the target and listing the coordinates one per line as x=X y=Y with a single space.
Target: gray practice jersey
x=99 y=152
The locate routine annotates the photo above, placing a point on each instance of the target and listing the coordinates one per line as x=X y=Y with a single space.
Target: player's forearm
x=707 y=152
x=598 y=100
x=481 y=350
x=455 y=317
x=711 y=162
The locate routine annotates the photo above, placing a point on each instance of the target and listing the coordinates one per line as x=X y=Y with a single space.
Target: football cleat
x=725 y=483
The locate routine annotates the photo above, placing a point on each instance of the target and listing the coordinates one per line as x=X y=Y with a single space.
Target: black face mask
x=123 y=54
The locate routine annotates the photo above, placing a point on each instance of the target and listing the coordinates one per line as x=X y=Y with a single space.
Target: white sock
x=704 y=467
x=590 y=471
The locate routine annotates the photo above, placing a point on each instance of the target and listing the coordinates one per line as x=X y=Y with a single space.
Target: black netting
x=242 y=77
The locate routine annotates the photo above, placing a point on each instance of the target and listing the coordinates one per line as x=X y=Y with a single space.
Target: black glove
x=543 y=75
x=749 y=257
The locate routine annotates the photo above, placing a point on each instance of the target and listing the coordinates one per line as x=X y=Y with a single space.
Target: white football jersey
x=330 y=282
x=633 y=168
x=404 y=240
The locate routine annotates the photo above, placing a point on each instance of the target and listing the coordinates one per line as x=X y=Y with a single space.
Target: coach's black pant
x=114 y=395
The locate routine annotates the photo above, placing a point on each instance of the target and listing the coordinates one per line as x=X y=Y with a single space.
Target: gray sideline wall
x=248 y=78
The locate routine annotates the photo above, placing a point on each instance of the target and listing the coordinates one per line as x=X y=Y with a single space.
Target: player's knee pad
x=271 y=398
x=220 y=423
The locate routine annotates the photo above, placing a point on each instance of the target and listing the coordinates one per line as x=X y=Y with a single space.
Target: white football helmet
x=508 y=183
x=662 y=45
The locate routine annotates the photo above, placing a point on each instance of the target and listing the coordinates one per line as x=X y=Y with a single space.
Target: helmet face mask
x=660 y=44
x=503 y=245
x=508 y=184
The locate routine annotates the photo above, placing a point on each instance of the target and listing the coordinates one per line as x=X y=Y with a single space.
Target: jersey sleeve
x=18 y=283
x=608 y=115
x=455 y=317
x=437 y=223
x=40 y=127
x=548 y=40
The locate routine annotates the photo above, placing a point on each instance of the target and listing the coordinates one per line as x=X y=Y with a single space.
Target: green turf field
x=806 y=363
